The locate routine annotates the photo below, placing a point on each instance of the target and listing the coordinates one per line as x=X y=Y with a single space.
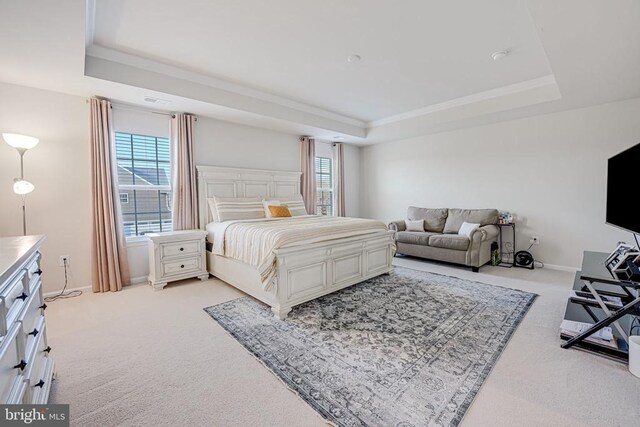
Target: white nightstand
x=176 y=255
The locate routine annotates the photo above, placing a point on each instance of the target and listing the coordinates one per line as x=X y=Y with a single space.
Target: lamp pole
x=21 y=151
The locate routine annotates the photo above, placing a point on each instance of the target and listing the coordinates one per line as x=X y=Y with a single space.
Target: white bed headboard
x=238 y=182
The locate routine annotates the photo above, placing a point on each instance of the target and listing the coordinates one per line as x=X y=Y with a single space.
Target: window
x=144 y=177
x=324 y=183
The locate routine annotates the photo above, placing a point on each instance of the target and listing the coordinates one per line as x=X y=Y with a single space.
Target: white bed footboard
x=311 y=271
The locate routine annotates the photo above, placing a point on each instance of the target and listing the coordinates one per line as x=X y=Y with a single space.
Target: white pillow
x=212 y=207
x=230 y=208
x=467 y=229
x=294 y=203
x=417 y=225
x=268 y=203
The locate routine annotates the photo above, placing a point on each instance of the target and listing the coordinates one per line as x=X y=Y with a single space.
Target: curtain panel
x=338 y=185
x=183 y=173
x=308 y=168
x=109 y=264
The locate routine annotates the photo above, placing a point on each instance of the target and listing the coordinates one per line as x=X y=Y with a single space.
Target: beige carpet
x=141 y=357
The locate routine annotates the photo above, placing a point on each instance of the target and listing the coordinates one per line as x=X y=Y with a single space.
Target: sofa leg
x=475 y=269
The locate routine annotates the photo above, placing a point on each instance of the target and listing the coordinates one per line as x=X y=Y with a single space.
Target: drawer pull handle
x=43 y=307
x=34 y=332
x=23 y=296
x=182 y=266
x=21 y=365
x=181 y=249
x=47 y=350
x=38 y=272
x=40 y=384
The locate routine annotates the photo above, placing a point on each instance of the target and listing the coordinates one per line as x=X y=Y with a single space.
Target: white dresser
x=176 y=255
x=26 y=370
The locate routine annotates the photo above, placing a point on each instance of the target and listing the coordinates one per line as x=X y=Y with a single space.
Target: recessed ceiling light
x=499 y=54
x=338 y=137
x=354 y=58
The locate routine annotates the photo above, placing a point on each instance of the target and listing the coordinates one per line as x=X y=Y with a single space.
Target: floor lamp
x=22 y=187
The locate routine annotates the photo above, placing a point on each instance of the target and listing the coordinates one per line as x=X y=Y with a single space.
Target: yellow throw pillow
x=279 y=211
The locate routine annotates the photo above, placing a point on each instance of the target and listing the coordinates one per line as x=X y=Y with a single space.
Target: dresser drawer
x=12 y=299
x=32 y=317
x=11 y=367
x=33 y=265
x=186 y=248
x=178 y=267
x=39 y=367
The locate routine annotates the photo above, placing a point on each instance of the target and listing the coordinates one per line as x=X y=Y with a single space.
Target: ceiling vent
x=156 y=101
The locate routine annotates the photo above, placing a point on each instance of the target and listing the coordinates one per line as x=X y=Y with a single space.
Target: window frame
x=331 y=191
x=159 y=188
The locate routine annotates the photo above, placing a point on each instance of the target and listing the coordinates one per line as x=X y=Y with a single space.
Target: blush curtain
x=338 y=160
x=183 y=173
x=308 y=178
x=109 y=265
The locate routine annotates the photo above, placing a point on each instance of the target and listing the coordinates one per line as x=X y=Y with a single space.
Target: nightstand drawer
x=190 y=247
x=187 y=265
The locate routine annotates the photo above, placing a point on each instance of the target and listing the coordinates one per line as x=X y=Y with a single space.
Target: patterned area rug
x=405 y=349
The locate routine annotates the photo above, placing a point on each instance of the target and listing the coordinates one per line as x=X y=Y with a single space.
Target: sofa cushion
x=456 y=217
x=414 y=237
x=434 y=219
x=449 y=241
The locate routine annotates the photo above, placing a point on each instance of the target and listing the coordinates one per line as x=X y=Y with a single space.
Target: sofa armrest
x=397 y=225
x=488 y=232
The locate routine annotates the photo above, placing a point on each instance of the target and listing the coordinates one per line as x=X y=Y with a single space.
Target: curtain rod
x=128 y=107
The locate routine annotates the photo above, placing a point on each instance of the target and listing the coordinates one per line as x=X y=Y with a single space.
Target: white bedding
x=254 y=241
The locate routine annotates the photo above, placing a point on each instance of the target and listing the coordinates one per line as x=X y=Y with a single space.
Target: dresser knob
x=34 y=332
x=40 y=384
x=22 y=297
x=43 y=307
x=181 y=249
x=21 y=365
x=38 y=272
x=182 y=266
x=47 y=350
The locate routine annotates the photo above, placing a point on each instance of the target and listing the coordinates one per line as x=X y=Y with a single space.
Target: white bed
x=303 y=272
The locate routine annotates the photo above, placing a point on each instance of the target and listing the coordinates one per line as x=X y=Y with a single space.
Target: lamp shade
x=20 y=141
x=22 y=187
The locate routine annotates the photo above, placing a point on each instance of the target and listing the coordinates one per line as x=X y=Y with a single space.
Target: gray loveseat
x=440 y=240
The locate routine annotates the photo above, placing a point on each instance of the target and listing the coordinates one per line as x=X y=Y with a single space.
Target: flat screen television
x=622 y=178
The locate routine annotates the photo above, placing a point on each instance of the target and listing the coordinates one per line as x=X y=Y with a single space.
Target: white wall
x=59 y=168
x=549 y=170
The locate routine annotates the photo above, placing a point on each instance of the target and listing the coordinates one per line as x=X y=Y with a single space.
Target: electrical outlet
x=64 y=259
x=535 y=240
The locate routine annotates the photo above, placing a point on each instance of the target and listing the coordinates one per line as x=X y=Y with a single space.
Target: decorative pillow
x=417 y=225
x=230 y=208
x=467 y=229
x=279 y=211
x=268 y=203
x=295 y=204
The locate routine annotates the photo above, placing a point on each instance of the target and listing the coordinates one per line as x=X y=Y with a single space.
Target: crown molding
x=500 y=92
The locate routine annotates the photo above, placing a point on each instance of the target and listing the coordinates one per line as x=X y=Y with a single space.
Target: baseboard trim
x=561 y=268
x=54 y=293
x=139 y=280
